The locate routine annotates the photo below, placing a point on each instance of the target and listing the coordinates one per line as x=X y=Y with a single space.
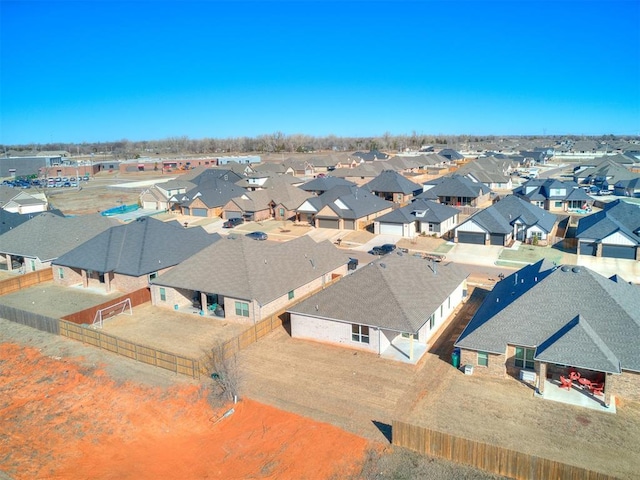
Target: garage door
x=587 y=248
x=349 y=224
x=199 y=212
x=471 y=237
x=619 y=251
x=390 y=229
x=496 y=239
x=326 y=223
x=229 y=214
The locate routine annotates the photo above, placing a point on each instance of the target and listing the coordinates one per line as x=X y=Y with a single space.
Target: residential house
x=153 y=199
x=451 y=154
x=494 y=172
x=627 y=188
x=505 y=221
x=300 y=167
x=613 y=232
x=319 y=185
x=420 y=217
x=10 y=220
x=244 y=280
x=360 y=174
x=554 y=195
x=392 y=186
x=279 y=202
x=323 y=164
x=265 y=180
x=604 y=175
x=17 y=200
x=545 y=321
x=456 y=190
x=33 y=245
x=126 y=257
x=214 y=188
x=343 y=208
x=407 y=304
x=277 y=168
x=371 y=155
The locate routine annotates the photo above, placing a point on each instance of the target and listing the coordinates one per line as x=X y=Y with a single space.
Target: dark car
x=232 y=222
x=257 y=235
x=383 y=249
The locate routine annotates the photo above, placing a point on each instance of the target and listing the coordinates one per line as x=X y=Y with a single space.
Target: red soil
x=60 y=419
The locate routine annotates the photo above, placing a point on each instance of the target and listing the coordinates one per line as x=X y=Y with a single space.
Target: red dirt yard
x=60 y=418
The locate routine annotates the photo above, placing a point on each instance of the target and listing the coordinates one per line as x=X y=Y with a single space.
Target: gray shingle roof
x=550 y=189
x=397 y=292
x=616 y=216
x=422 y=210
x=572 y=315
x=454 y=186
x=48 y=236
x=390 y=181
x=251 y=270
x=500 y=217
x=322 y=184
x=358 y=202
x=143 y=246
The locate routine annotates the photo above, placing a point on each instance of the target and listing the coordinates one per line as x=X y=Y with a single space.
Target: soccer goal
x=120 y=308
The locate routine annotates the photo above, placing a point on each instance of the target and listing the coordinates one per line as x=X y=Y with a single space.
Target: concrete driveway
x=470 y=254
x=379 y=239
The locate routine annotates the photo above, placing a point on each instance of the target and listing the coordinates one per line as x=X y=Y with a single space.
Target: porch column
x=606 y=392
x=542 y=375
x=203 y=302
x=85 y=279
x=598 y=249
x=9 y=262
x=108 y=276
x=411 y=347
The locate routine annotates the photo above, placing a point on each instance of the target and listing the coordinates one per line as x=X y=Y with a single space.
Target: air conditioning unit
x=468 y=369
x=527 y=375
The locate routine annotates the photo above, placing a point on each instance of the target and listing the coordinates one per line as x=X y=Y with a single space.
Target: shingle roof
x=616 y=216
x=322 y=184
x=48 y=236
x=243 y=268
x=402 y=291
x=286 y=195
x=542 y=306
x=143 y=246
x=213 y=192
x=390 y=181
x=551 y=189
x=454 y=186
x=350 y=202
x=500 y=217
x=422 y=210
x=10 y=220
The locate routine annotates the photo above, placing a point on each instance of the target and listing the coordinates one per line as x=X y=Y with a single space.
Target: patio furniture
x=574 y=375
x=586 y=383
x=597 y=388
x=565 y=382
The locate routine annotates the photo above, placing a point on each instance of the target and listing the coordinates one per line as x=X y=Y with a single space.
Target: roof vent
x=564 y=268
x=575 y=269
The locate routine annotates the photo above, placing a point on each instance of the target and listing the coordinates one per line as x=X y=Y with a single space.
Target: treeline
x=277 y=142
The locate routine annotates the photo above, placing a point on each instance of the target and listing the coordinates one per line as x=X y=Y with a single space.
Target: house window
x=163 y=295
x=432 y=321
x=60 y=273
x=483 y=359
x=441 y=310
x=410 y=335
x=282 y=213
x=557 y=204
x=360 y=333
x=153 y=275
x=291 y=295
x=33 y=265
x=524 y=357
x=242 y=309
x=400 y=197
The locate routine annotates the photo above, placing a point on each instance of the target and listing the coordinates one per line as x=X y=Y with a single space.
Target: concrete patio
x=576 y=396
x=400 y=350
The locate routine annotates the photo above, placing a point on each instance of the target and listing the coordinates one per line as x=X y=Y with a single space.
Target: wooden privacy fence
x=86 y=316
x=30 y=319
x=491 y=458
x=24 y=281
x=141 y=353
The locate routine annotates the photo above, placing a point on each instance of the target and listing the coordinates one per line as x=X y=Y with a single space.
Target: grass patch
x=530 y=254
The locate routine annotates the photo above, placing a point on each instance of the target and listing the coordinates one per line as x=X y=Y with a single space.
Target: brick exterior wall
x=71 y=276
x=496 y=367
x=626 y=385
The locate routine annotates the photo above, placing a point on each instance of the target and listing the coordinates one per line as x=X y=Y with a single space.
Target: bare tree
x=222 y=367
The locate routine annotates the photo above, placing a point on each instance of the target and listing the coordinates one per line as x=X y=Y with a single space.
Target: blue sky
x=105 y=70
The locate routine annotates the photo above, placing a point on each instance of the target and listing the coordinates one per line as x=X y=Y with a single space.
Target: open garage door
x=471 y=237
x=587 y=248
x=328 y=223
x=619 y=251
x=390 y=229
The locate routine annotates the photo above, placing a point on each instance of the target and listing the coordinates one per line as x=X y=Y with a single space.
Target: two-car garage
x=476 y=238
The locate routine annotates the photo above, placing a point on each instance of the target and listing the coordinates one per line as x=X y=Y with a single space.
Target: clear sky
x=105 y=70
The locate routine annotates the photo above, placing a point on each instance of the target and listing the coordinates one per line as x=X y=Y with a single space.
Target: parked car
x=383 y=249
x=257 y=235
x=232 y=222
x=66 y=184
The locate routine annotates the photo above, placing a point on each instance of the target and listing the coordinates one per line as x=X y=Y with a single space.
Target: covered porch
x=575 y=386
x=404 y=348
x=208 y=303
